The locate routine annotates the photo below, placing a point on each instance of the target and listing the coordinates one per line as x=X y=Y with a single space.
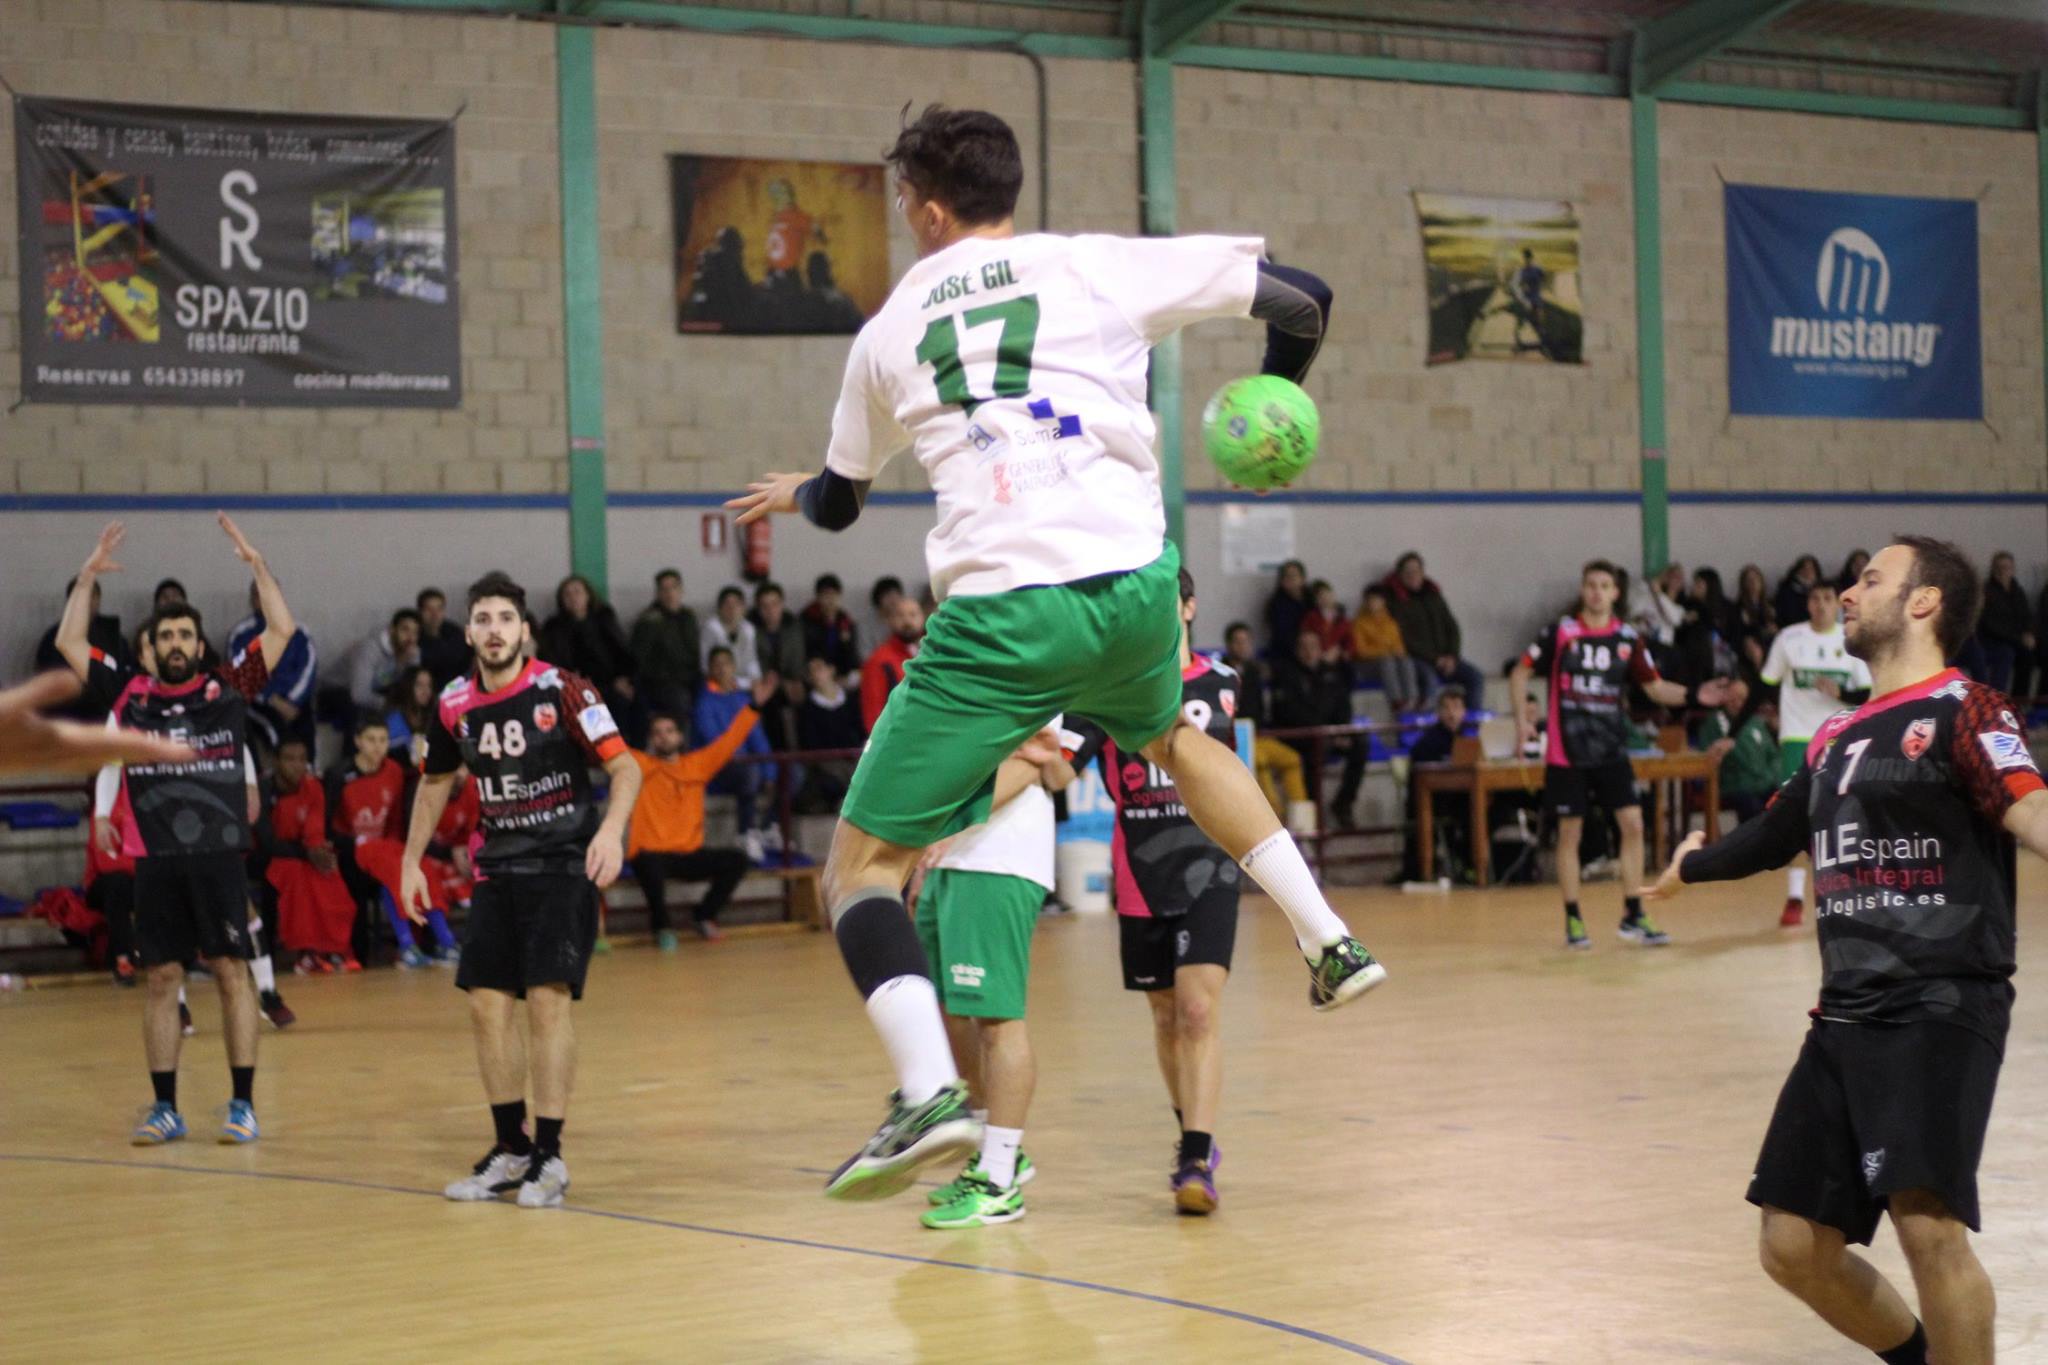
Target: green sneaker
x=1343 y=973
x=666 y=940
x=1575 y=935
x=951 y=1190
x=1642 y=929
x=911 y=1137
x=979 y=1204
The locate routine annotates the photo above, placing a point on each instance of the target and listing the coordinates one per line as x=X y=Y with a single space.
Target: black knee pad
x=879 y=942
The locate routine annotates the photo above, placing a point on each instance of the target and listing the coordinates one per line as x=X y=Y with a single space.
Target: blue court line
x=1208 y=497
x=1306 y=1333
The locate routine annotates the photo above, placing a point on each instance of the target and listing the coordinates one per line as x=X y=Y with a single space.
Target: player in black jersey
x=1911 y=804
x=1588 y=660
x=528 y=733
x=1176 y=906
x=188 y=829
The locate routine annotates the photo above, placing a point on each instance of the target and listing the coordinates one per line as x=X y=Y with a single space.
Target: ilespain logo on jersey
x=1852 y=305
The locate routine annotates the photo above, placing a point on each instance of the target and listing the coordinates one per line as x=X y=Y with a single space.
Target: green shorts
x=976 y=929
x=1791 y=754
x=993 y=670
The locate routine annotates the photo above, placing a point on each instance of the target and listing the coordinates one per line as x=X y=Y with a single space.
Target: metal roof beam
x=1170 y=24
x=1672 y=44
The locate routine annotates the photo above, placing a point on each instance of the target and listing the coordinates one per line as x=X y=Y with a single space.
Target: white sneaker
x=498 y=1172
x=771 y=838
x=542 y=1188
x=756 y=850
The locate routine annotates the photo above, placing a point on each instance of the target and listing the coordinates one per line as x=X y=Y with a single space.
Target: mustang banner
x=191 y=256
x=1852 y=305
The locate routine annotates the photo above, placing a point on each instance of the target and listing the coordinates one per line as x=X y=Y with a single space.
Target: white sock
x=1276 y=864
x=1795 y=884
x=181 y=995
x=905 y=1012
x=266 y=975
x=999 y=1155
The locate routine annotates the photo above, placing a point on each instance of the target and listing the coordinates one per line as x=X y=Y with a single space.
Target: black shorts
x=1568 y=792
x=191 y=905
x=1873 y=1109
x=1155 y=946
x=527 y=931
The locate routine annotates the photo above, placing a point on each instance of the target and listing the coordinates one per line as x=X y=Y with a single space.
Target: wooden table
x=1480 y=780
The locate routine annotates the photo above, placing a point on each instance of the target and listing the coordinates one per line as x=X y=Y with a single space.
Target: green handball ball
x=1261 y=431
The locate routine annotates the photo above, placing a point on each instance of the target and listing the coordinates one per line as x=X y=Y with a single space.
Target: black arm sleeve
x=1295 y=306
x=832 y=501
x=1770 y=841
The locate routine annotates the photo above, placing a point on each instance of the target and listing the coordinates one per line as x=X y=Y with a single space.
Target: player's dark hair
x=730 y=591
x=1940 y=565
x=717 y=650
x=668 y=716
x=177 y=611
x=1187 y=584
x=497 y=583
x=1236 y=626
x=1407 y=555
x=766 y=586
x=829 y=580
x=427 y=595
x=1593 y=566
x=965 y=159
x=407 y=614
x=666 y=574
x=1453 y=690
x=883 y=587
x=293 y=742
x=167 y=583
x=372 y=721
x=1819 y=585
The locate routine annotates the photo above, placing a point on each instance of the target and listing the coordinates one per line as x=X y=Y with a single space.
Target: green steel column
x=1160 y=189
x=1650 y=329
x=582 y=301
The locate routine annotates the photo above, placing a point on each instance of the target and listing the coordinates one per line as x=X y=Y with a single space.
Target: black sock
x=244 y=1078
x=1911 y=1351
x=1631 y=909
x=1194 y=1146
x=510 y=1121
x=1571 y=910
x=547 y=1136
x=165 y=1084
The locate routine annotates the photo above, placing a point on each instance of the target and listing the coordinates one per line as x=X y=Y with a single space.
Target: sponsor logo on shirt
x=1959 y=689
x=2006 y=751
x=967 y=974
x=1918 y=736
x=1873 y=1162
x=596 y=721
x=544 y=717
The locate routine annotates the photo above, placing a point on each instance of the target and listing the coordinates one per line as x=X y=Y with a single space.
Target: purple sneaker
x=1194 y=1188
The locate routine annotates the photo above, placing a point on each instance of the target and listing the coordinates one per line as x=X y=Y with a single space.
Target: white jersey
x=1017 y=841
x=1015 y=370
x=1801 y=657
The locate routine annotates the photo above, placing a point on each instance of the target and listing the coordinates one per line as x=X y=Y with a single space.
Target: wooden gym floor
x=1508 y=1154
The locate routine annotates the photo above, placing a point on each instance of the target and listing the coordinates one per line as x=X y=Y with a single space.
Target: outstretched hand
x=102 y=560
x=244 y=551
x=32 y=742
x=1668 y=886
x=774 y=493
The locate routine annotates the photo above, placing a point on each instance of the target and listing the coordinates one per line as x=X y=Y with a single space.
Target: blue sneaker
x=160 y=1124
x=412 y=957
x=240 y=1125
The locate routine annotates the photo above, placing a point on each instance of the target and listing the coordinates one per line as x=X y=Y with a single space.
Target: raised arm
x=75 y=627
x=278 y=624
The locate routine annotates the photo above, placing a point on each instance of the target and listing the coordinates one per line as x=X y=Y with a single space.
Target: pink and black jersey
x=1588 y=672
x=1163 y=861
x=1904 y=800
x=201 y=806
x=530 y=746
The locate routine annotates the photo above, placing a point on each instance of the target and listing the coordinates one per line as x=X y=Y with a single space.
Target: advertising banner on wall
x=766 y=247
x=197 y=256
x=1852 y=305
x=1503 y=278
